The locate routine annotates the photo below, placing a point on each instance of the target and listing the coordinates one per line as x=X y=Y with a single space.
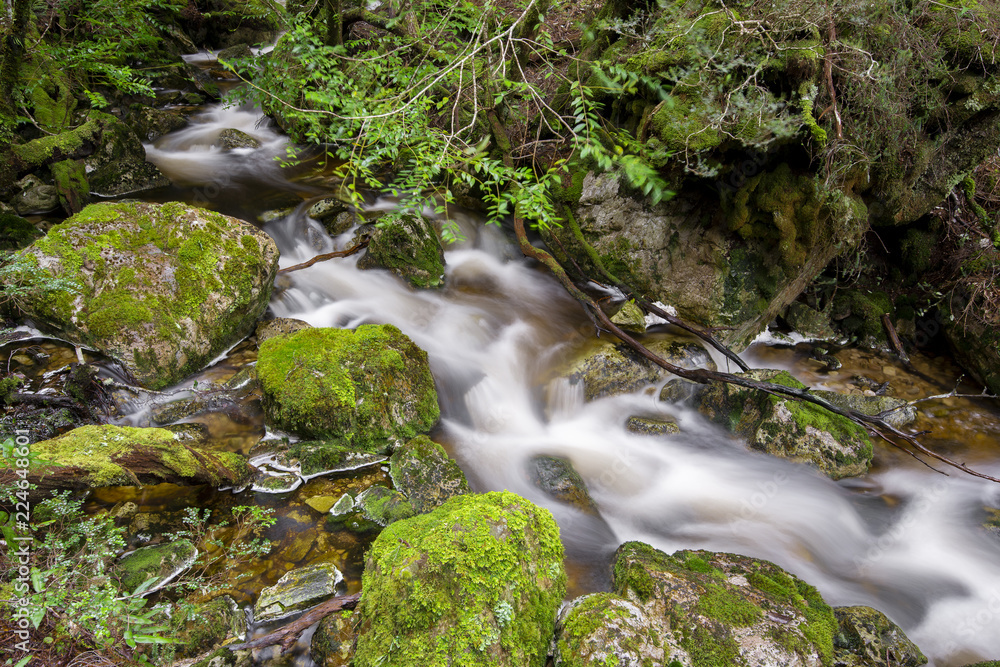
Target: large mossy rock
x=867 y=638
x=159 y=563
x=408 y=246
x=162 y=288
x=95 y=456
x=700 y=609
x=475 y=582
x=369 y=389
x=787 y=428
x=423 y=472
x=609 y=367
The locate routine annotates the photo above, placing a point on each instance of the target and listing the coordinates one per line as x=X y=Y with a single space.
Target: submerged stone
x=163 y=289
x=475 y=582
x=791 y=429
x=608 y=367
x=298 y=590
x=368 y=389
x=867 y=638
x=231 y=138
x=425 y=474
x=161 y=563
x=650 y=426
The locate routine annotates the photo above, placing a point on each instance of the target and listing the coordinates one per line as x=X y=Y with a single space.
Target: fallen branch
x=894 y=338
x=325 y=256
x=287 y=635
x=873 y=425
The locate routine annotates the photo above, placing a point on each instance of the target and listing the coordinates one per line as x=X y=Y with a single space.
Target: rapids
x=903 y=539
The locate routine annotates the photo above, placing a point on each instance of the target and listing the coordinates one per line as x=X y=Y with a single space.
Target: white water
x=905 y=541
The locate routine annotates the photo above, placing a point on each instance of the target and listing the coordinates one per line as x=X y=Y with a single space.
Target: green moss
x=476 y=582
x=103 y=455
x=805 y=99
x=683 y=123
x=16 y=232
x=721 y=604
x=366 y=388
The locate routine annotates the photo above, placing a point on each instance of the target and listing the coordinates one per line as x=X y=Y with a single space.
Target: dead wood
x=287 y=635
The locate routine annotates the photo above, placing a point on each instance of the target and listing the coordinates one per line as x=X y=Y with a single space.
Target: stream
x=903 y=538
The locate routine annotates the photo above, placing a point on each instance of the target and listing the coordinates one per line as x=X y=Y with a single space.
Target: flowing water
x=903 y=539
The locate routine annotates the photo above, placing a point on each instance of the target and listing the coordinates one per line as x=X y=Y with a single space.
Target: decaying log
x=287 y=635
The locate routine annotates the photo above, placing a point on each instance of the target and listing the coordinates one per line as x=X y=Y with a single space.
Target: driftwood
x=287 y=635
x=873 y=424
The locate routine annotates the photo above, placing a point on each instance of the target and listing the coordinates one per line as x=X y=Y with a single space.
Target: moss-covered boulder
x=72 y=186
x=475 y=582
x=709 y=609
x=787 y=428
x=94 y=456
x=161 y=563
x=893 y=410
x=118 y=166
x=297 y=590
x=408 y=246
x=382 y=505
x=16 y=232
x=162 y=288
x=231 y=138
x=368 y=389
x=867 y=638
x=609 y=367
x=425 y=474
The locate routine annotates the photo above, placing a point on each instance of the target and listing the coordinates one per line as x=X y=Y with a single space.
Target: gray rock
x=608 y=367
x=231 y=138
x=558 y=479
x=650 y=426
x=298 y=590
x=150 y=124
x=38 y=198
x=279 y=326
x=327 y=209
x=236 y=51
x=809 y=321
x=867 y=638
x=425 y=474
x=118 y=166
x=408 y=246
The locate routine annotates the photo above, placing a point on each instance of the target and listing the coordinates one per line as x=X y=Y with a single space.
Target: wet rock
x=901 y=415
x=298 y=590
x=322 y=504
x=408 y=246
x=275 y=214
x=150 y=124
x=162 y=288
x=333 y=642
x=118 y=166
x=370 y=389
x=787 y=428
x=630 y=317
x=602 y=629
x=325 y=210
x=866 y=638
x=425 y=474
x=94 y=456
x=269 y=481
x=340 y=223
x=650 y=426
x=16 y=232
x=200 y=627
x=72 y=185
x=557 y=479
x=279 y=326
x=161 y=563
x=36 y=197
x=383 y=506
x=344 y=505
x=608 y=368
x=235 y=51
x=315 y=457
x=715 y=608
x=231 y=138
x=809 y=321
x=992 y=522
x=479 y=579
x=191 y=433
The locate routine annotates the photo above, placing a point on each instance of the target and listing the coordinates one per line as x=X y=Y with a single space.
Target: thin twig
x=325 y=256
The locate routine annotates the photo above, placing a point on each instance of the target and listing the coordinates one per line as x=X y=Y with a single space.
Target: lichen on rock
x=163 y=288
